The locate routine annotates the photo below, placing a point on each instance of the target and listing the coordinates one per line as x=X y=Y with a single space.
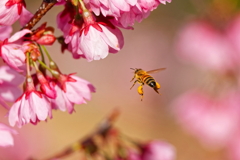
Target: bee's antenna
x=132 y=68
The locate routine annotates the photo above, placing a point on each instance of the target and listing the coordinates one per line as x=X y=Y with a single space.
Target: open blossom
x=12 y=52
x=9 y=80
x=125 y=12
x=97 y=42
x=207 y=48
x=219 y=51
x=90 y=39
x=71 y=90
x=110 y=8
x=213 y=121
x=6 y=138
x=32 y=106
x=12 y=10
x=212 y=114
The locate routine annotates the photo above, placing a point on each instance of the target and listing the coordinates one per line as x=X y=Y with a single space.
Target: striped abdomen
x=147 y=79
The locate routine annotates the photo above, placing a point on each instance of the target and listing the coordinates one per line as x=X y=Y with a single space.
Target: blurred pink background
x=149 y=46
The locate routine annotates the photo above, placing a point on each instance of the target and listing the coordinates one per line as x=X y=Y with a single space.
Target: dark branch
x=42 y=10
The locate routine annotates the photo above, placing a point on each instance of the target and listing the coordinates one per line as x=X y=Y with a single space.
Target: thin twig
x=43 y=9
x=103 y=127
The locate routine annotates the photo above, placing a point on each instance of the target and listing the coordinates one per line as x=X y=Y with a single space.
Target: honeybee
x=143 y=77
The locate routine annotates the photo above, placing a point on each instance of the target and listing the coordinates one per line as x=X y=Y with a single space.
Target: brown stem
x=43 y=9
x=104 y=127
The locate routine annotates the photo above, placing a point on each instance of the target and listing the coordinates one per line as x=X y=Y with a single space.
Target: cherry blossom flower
x=32 y=106
x=90 y=39
x=203 y=45
x=9 y=81
x=128 y=19
x=111 y=7
x=212 y=115
x=125 y=12
x=96 y=44
x=158 y=150
x=6 y=138
x=12 y=10
x=212 y=121
x=71 y=90
x=11 y=50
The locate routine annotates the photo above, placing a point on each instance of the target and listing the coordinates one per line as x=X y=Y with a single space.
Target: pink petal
x=24 y=111
x=13 y=113
x=4 y=104
x=9 y=92
x=95 y=9
x=39 y=106
x=131 y=2
x=61 y=101
x=83 y=88
x=13 y=56
x=18 y=35
x=8 y=15
x=110 y=38
x=93 y=46
x=164 y=1
x=25 y=16
x=6 y=139
x=11 y=76
x=5 y=32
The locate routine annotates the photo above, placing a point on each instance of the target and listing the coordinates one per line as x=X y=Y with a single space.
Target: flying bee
x=143 y=77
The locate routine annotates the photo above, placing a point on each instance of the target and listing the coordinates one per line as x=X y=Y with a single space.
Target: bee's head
x=136 y=69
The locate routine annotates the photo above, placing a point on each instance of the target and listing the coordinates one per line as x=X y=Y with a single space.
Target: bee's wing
x=156 y=70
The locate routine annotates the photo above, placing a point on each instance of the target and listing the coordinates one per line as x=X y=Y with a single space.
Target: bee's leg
x=132 y=78
x=157 y=87
x=134 y=83
x=140 y=91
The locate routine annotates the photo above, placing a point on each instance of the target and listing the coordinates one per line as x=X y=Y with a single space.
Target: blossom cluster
x=93 y=32
x=211 y=113
x=90 y=30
